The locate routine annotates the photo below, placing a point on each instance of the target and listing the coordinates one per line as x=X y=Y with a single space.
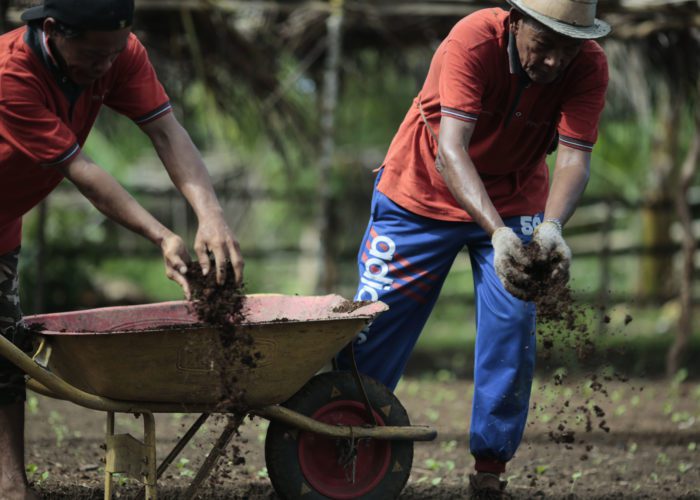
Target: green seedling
x=182 y=467
x=32 y=405
x=662 y=459
x=445 y=376
x=58 y=426
x=439 y=466
x=432 y=414
x=432 y=464
x=435 y=481
x=654 y=477
x=448 y=446
x=620 y=410
x=262 y=473
x=632 y=448
x=441 y=395
x=560 y=374
x=119 y=478
x=680 y=377
x=262 y=430
x=635 y=400
x=541 y=469
x=692 y=446
x=34 y=476
x=696 y=392
x=684 y=419
x=616 y=396
x=575 y=477
x=412 y=388
x=684 y=467
x=668 y=408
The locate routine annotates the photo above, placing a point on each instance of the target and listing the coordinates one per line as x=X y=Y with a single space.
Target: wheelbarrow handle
x=392 y=433
x=58 y=387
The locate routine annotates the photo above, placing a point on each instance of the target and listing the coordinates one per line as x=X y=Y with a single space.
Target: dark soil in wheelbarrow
x=222 y=307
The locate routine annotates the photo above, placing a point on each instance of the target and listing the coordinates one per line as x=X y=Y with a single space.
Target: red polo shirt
x=476 y=76
x=45 y=118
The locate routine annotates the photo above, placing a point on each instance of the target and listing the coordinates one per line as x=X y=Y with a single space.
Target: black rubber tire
x=282 y=444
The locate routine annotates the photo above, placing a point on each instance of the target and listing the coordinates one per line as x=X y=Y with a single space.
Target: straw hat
x=572 y=18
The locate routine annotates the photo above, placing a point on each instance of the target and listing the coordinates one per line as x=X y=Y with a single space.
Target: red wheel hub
x=320 y=456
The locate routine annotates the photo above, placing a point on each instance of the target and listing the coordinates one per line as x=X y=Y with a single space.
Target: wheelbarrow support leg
x=129 y=456
x=108 y=474
x=214 y=454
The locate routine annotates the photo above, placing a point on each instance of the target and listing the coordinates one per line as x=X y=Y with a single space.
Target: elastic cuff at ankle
x=490 y=465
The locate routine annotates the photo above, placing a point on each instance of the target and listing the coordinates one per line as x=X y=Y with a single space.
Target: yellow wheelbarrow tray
x=157 y=358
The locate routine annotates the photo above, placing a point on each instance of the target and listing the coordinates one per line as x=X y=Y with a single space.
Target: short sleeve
x=29 y=126
x=137 y=93
x=462 y=81
x=584 y=103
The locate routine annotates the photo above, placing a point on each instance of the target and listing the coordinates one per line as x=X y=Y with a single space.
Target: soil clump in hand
x=551 y=295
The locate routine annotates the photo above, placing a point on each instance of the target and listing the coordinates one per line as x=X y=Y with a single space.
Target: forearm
x=185 y=166
x=110 y=198
x=466 y=186
x=571 y=175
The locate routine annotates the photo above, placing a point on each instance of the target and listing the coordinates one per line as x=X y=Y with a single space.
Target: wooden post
x=326 y=278
x=685 y=322
x=656 y=214
x=604 y=286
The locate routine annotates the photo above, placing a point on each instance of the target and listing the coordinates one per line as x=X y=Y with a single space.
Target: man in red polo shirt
x=503 y=89
x=55 y=75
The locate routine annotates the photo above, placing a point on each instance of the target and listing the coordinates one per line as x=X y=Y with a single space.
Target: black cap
x=99 y=15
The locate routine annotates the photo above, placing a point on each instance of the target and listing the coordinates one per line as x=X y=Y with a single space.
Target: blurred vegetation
x=270 y=141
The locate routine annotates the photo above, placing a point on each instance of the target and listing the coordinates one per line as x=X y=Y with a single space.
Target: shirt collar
x=39 y=43
x=516 y=68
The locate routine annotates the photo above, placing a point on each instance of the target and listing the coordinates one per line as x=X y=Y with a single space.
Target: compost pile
x=222 y=306
x=564 y=326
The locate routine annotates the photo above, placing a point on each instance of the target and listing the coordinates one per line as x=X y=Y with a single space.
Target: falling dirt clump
x=222 y=307
x=564 y=325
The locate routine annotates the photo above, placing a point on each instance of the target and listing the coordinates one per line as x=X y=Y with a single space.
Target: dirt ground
x=651 y=449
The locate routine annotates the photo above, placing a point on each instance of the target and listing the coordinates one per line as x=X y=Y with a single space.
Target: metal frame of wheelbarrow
x=137 y=459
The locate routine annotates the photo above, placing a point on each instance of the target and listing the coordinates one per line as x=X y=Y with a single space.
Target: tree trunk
x=674 y=357
x=327 y=277
x=657 y=214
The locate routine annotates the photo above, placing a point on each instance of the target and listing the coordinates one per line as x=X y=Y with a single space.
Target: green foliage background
x=376 y=91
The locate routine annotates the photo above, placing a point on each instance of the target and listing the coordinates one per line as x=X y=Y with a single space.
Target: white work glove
x=510 y=261
x=553 y=249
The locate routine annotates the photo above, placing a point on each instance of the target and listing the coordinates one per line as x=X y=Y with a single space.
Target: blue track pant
x=403 y=261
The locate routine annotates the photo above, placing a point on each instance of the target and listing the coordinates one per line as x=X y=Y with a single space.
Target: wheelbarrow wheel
x=307 y=465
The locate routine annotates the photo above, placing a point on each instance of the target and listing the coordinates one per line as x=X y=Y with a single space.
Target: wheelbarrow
x=331 y=435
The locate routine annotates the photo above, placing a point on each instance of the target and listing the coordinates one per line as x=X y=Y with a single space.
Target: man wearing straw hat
x=467 y=169
x=55 y=74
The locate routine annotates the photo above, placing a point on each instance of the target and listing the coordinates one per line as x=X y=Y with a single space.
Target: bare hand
x=553 y=249
x=510 y=261
x=216 y=237
x=176 y=258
